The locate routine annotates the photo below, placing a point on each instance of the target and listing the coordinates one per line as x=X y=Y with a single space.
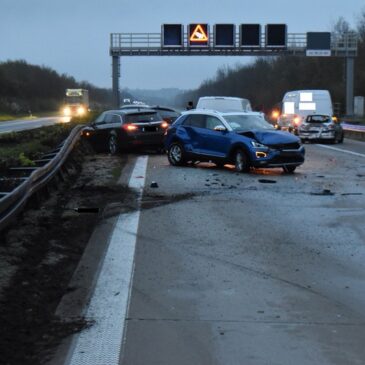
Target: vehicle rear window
x=142 y=118
x=318 y=119
x=168 y=114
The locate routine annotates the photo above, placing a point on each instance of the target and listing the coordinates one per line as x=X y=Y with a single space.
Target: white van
x=224 y=104
x=298 y=104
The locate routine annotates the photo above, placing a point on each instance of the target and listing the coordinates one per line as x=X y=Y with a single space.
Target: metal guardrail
x=353 y=127
x=11 y=203
x=138 y=44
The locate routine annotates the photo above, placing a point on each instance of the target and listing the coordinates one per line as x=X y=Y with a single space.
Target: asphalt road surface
x=230 y=270
x=22 y=125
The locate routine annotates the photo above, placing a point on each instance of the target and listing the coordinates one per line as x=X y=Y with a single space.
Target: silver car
x=321 y=127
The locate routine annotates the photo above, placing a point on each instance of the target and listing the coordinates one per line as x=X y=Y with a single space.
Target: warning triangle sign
x=199 y=35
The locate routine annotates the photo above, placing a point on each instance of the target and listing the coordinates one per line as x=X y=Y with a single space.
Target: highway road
x=234 y=269
x=21 y=125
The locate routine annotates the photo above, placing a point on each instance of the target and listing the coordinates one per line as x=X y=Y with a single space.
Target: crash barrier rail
x=11 y=203
x=353 y=127
x=354 y=131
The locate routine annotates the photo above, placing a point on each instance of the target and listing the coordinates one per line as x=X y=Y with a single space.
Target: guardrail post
x=349 y=86
x=115 y=76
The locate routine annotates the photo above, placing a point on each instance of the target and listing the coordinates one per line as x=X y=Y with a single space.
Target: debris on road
x=326 y=192
x=267 y=181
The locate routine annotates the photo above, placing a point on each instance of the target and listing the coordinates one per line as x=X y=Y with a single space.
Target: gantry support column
x=350 y=86
x=115 y=76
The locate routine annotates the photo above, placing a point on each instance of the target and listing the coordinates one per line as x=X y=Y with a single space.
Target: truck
x=76 y=103
x=298 y=104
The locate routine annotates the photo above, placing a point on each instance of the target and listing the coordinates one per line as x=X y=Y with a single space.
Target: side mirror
x=220 y=128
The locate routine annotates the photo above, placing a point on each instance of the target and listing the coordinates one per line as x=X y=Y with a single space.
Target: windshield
x=74 y=99
x=247 y=122
x=318 y=119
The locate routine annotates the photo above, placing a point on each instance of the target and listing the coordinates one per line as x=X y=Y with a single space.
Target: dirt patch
x=40 y=253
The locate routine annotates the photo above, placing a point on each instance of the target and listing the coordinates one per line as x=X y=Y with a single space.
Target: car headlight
x=303 y=127
x=258 y=145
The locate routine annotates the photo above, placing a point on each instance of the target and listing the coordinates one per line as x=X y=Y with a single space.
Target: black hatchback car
x=117 y=130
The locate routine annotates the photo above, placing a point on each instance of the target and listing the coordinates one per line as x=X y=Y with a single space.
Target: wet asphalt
x=230 y=270
x=21 y=125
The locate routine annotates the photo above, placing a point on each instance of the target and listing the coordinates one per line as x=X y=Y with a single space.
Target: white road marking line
x=341 y=150
x=101 y=343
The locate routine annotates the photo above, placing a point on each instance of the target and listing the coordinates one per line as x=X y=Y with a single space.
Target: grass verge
x=21 y=148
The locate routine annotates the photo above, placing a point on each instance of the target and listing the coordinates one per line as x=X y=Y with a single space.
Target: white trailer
x=298 y=104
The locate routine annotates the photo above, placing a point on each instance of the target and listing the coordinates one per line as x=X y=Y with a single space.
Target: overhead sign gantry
x=199 y=39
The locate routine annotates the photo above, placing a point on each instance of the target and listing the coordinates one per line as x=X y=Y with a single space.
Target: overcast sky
x=72 y=36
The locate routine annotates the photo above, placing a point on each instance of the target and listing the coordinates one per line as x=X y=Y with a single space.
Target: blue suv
x=244 y=139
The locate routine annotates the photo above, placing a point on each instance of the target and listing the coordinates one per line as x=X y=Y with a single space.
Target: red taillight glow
x=130 y=127
x=164 y=125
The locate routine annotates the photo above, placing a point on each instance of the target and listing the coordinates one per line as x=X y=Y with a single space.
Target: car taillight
x=296 y=120
x=275 y=114
x=130 y=127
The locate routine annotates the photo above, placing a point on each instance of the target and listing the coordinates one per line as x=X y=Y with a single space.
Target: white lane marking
x=101 y=343
x=341 y=150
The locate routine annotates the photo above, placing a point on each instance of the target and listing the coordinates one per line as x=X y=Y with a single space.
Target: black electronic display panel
x=318 y=44
x=224 y=35
x=276 y=35
x=318 y=40
x=250 y=35
x=198 y=35
x=172 y=35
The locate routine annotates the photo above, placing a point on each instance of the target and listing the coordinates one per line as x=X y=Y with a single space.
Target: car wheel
x=176 y=154
x=240 y=160
x=289 y=169
x=341 y=138
x=113 y=145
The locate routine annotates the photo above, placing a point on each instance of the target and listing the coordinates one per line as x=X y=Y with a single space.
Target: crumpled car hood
x=271 y=137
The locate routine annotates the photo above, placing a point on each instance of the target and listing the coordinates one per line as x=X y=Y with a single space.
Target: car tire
x=176 y=154
x=113 y=145
x=341 y=139
x=241 y=161
x=289 y=169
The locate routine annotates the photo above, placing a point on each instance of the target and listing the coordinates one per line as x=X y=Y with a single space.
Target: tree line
x=30 y=88
x=265 y=81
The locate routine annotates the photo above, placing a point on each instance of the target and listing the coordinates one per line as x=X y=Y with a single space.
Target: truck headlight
x=81 y=110
x=67 y=111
